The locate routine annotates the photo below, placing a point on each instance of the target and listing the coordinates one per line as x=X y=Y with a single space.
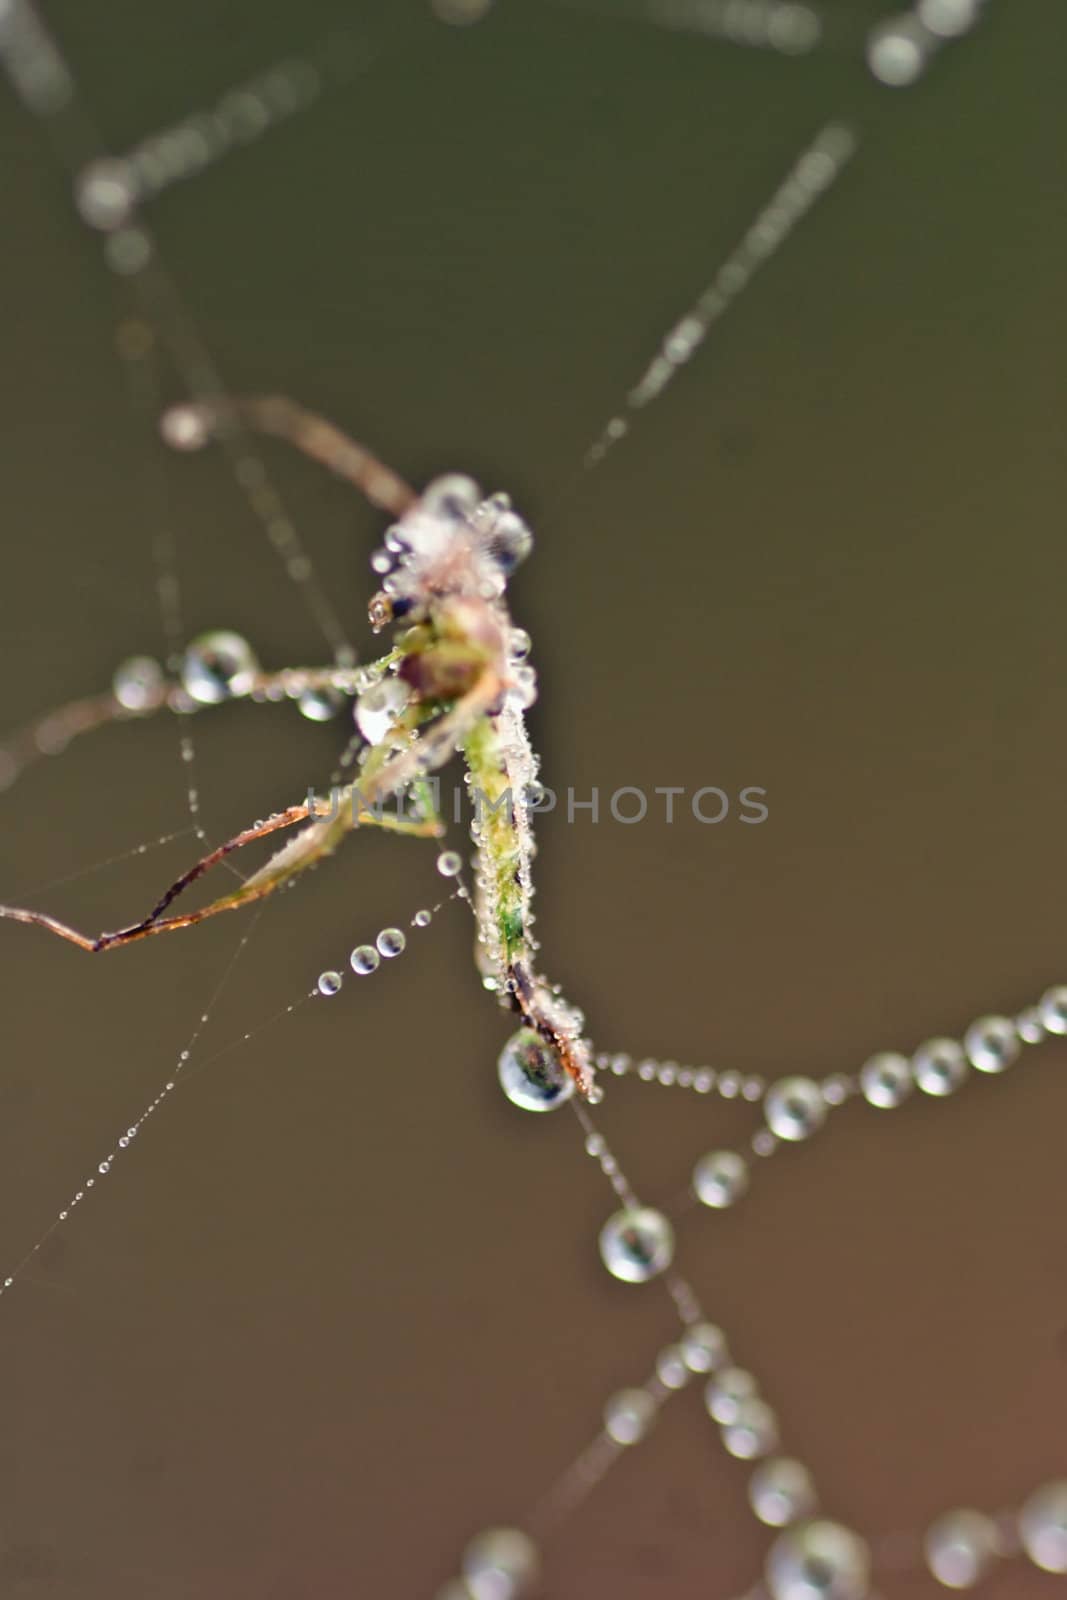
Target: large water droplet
x=898 y=51
x=794 y=1108
x=636 y=1244
x=531 y=1075
x=720 y=1178
x=218 y=666
x=818 y=1561
x=886 y=1079
x=939 y=1066
x=991 y=1043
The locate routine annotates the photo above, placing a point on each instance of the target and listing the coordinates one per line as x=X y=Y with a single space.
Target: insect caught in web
x=457 y=679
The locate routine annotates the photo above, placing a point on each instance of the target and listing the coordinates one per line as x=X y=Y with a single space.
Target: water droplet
x=818 y=1561
x=519 y=644
x=138 y=684
x=105 y=193
x=886 y=1079
x=320 y=705
x=636 y=1244
x=218 y=666
x=948 y=18
x=628 y=1416
x=453 y=497
x=960 y=1547
x=378 y=707
x=991 y=1044
x=184 y=428
x=703 y=1346
x=364 y=959
x=531 y=1075
x=780 y=1491
x=449 y=863
x=1030 y=1028
x=501 y=1564
x=720 y=1178
x=329 y=983
x=671 y=1368
x=391 y=942
x=753 y=1432
x=104 y=1167
x=1043 y=1527
x=897 y=51
x=523 y=691
x=939 y=1066
x=510 y=541
x=422 y=919
x=794 y=1108
x=725 y=1392
x=1053 y=1009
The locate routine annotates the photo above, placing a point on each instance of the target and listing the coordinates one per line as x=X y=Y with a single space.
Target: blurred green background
x=340 y=1305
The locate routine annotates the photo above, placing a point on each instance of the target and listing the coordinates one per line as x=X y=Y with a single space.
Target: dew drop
x=753 y=1432
x=184 y=428
x=720 y=1178
x=703 y=1346
x=886 y=1079
x=320 y=705
x=391 y=942
x=1053 y=1010
x=138 y=684
x=897 y=51
x=422 y=919
x=794 y=1108
x=780 y=1491
x=105 y=193
x=725 y=1393
x=500 y=1564
x=636 y=1244
x=939 y=1066
x=364 y=959
x=1043 y=1527
x=991 y=1044
x=818 y=1561
x=449 y=864
x=628 y=1416
x=329 y=983
x=960 y=1547
x=531 y=1075
x=218 y=666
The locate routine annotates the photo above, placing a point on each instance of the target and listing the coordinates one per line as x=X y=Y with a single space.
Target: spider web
x=342 y=1305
